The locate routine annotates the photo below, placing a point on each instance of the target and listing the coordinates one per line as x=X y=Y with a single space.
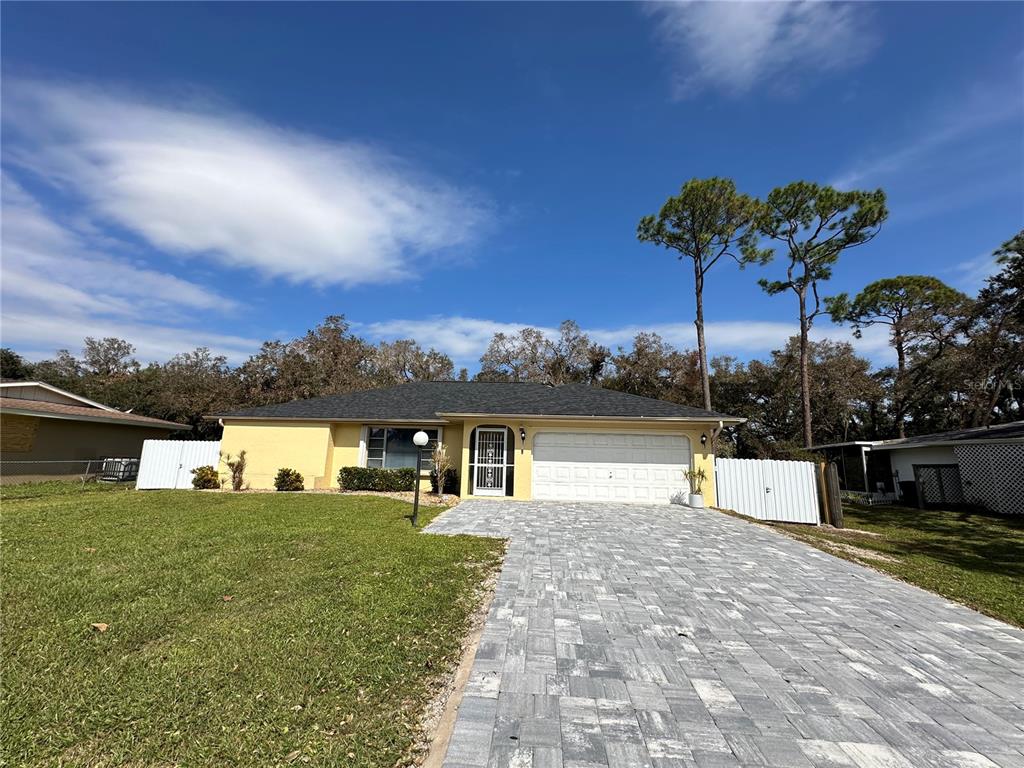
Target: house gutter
x=869 y=443
x=448 y=416
x=552 y=417
x=321 y=419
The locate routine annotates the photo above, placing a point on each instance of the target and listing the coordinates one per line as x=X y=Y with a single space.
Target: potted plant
x=696 y=479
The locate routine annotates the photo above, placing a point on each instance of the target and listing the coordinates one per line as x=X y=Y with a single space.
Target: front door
x=490 y=462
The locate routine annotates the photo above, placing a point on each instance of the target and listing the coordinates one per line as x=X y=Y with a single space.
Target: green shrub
x=451 y=481
x=797 y=453
x=205 y=478
x=288 y=480
x=377 y=479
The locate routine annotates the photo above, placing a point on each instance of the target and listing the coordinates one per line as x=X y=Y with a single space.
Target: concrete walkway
x=659 y=636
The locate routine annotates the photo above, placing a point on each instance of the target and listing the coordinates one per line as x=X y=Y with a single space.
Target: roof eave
x=946 y=443
x=322 y=419
x=445 y=418
x=156 y=423
x=571 y=417
x=59 y=391
x=848 y=442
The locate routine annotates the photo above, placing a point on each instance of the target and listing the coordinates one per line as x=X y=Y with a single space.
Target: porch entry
x=491 y=449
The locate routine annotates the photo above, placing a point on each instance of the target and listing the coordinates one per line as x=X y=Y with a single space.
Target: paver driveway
x=632 y=636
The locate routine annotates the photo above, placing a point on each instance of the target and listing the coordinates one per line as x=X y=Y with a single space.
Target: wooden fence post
x=835 y=502
x=822 y=492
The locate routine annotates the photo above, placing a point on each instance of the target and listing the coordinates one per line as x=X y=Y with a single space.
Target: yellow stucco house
x=517 y=440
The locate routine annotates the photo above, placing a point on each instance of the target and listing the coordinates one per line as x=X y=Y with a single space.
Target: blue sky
x=184 y=174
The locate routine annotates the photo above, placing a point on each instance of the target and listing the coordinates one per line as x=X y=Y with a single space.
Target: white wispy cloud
x=37 y=335
x=60 y=283
x=466 y=338
x=51 y=265
x=737 y=46
x=202 y=181
x=463 y=338
x=943 y=140
x=970 y=274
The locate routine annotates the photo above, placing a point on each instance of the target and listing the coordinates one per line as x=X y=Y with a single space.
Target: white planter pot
x=697 y=500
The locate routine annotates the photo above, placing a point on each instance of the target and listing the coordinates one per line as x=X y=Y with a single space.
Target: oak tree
x=916 y=308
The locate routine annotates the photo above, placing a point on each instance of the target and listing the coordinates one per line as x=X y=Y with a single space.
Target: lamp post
x=420 y=439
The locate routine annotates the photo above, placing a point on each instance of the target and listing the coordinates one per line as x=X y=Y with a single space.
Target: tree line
x=328 y=359
x=959 y=359
x=955 y=354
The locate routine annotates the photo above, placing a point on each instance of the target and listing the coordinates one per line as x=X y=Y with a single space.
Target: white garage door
x=605 y=466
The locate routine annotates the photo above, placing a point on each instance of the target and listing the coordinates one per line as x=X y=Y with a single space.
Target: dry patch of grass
x=842 y=548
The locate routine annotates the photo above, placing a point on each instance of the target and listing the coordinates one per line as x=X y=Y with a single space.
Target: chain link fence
x=107 y=470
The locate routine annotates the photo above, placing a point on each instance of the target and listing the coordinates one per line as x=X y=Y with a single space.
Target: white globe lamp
x=420 y=439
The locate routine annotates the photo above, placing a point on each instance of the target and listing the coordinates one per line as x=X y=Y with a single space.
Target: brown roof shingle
x=83 y=413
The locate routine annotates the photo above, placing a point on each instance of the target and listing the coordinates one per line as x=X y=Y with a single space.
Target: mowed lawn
x=244 y=629
x=976 y=559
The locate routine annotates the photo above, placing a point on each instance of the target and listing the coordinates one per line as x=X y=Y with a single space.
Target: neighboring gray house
x=48 y=433
x=979 y=466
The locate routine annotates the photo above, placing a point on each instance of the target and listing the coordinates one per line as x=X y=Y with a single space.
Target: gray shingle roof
x=422 y=401
x=1013 y=430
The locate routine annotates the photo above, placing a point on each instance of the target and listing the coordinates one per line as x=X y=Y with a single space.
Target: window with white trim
x=393 y=448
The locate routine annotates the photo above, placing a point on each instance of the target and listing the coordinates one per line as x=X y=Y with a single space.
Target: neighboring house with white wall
x=979 y=466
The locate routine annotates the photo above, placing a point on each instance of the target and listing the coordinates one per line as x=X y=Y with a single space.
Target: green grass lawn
x=976 y=559
x=339 y=622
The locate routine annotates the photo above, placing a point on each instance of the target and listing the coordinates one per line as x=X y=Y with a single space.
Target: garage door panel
x=609 y=466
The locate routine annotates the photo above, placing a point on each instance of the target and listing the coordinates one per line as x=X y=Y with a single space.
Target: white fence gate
x=169 y=463
x=782 y=491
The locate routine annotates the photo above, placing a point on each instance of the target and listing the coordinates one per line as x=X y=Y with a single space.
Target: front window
x=393 y=448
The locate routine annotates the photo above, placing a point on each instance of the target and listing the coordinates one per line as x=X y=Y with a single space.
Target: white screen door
x=490 y=462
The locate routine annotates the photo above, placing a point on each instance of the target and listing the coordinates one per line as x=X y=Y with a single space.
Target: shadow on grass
x=973 y=541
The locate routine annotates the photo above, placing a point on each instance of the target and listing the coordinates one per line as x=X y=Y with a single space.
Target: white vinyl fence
x=781 y=491
x=169 y=463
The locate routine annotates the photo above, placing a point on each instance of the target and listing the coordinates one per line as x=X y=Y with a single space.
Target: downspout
x=715 y=432
x=864 y=464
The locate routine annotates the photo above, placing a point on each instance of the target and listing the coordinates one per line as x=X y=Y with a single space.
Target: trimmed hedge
x=451 y=481
x=288 y=480
x=377 y=479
